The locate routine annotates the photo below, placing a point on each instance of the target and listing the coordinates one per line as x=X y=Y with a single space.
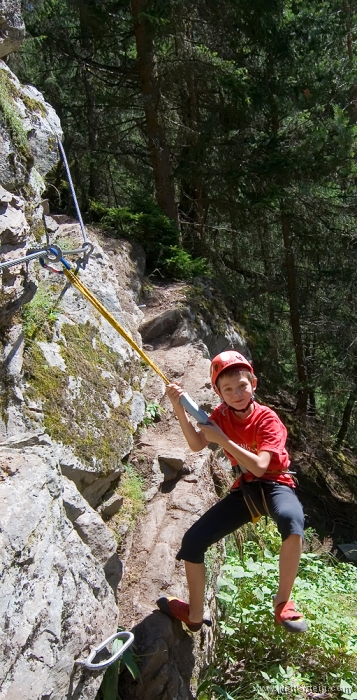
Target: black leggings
x=229 y=514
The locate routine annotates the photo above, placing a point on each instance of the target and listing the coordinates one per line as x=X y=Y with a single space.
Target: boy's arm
x=195 y=439
x=256 y=464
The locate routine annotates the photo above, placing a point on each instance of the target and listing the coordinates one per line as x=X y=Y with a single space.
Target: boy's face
x=236 y=390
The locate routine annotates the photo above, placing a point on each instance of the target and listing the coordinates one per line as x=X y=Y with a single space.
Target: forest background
x=222 y=136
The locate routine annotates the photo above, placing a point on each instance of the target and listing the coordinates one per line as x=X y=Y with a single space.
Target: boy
x=253 y=438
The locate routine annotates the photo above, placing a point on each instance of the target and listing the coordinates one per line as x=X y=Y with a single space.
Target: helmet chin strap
x=242 y=410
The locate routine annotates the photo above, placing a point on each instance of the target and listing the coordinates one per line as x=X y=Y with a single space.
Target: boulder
x=111 y=505
x=55 y=601
x=160 y=325
x=12 y=27
x=29 y=145
x=93 y=532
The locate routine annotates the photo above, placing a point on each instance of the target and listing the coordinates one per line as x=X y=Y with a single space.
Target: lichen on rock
x=29 y=128
x=80 y=419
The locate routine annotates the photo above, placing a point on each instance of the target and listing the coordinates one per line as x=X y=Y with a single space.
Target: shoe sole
x=293 y=628
x=163 y=605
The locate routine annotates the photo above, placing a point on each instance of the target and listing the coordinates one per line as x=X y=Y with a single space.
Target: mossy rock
x=99 y=434
x=11 y=116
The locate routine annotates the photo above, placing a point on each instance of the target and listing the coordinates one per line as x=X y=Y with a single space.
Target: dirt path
x=179 y=488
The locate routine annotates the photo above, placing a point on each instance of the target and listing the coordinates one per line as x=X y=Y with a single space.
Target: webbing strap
x=113 y=322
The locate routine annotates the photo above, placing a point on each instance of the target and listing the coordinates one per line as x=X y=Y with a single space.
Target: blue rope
x=64 y=262
x=79 y=216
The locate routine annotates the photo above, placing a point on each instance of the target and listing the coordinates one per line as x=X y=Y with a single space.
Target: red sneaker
x=179 y=610
x=288 y=617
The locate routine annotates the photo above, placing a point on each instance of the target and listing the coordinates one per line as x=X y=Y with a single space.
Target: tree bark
x=303 y=393
x=346 y=418
x=92 y=131
x=349 y=40
x=193 y=206
x=149 y=82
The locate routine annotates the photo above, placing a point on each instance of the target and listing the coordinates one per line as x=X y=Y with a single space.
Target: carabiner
x=87 y=663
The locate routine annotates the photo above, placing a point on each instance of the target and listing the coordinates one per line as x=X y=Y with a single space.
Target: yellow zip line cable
x=113 y=322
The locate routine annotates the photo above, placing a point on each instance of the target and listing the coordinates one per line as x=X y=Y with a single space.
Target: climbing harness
x=251 y=502
x=87 y=663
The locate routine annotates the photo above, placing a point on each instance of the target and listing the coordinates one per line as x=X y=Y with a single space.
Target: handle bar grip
x=191 y=407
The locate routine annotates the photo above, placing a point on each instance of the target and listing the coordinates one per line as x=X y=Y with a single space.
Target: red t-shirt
x=262 y=430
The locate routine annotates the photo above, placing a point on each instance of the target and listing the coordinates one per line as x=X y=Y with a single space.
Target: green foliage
x=182 y=266
x=11 y=114
x=143 y=222
x=131 y=488
x=109 y=686
x=255 y=658
x=152 y=413
x=39 y=313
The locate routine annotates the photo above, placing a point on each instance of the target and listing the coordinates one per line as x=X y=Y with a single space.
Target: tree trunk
x=303 y=393
x=346 y=418
x=157 y=142
x=349 y=40
x=86 y=46
x=192 y=204
x=266 y=246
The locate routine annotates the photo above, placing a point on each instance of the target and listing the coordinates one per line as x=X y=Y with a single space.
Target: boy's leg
x=285 y=508
x=196 y=581
x=290 y=554
x=222 y=519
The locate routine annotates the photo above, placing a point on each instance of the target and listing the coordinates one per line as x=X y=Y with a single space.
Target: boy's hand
x=213 y=433
x=174 y=391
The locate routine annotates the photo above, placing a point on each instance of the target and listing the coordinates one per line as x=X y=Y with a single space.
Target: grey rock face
x=29 y=148
x=90 y=482
x=93 y=531
x=162 y=324
x=59 y=563
x=14 y=230
x=111 y=505
x=97 y=392
x=55 y=601
x=12 y=28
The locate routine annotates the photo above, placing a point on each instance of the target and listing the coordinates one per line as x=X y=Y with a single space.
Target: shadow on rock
x=165 y=659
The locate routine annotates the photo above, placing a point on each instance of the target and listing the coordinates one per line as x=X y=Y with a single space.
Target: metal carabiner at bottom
x=87 y=250
x=87 y=663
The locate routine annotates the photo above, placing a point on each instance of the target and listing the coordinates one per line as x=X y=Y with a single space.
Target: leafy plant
x=131 y=489
x=182 y=266
x=256 y=659
x=41 y=310
x=109 y=686
x=152 y=413
x=144 y=222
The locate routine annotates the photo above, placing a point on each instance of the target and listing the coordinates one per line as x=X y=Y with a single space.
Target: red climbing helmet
x=230 y=358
